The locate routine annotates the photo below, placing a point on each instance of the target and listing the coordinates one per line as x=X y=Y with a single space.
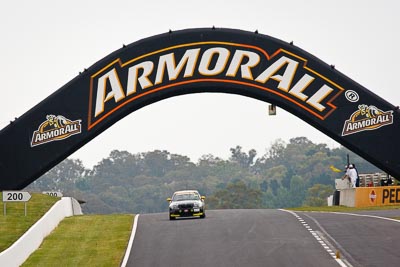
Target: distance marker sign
x=53 y=193
x=16 y=196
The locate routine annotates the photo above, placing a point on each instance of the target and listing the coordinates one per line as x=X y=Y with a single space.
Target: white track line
x=129 y=248
x=370 y=216
x=317 y=237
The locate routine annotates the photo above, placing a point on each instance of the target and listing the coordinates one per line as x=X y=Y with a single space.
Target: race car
x=186 y=203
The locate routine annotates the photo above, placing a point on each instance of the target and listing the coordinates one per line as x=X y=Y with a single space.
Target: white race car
x=187 y=203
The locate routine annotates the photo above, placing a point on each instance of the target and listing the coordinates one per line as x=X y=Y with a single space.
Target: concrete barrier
x=361 y=197
x=347 y=197
x=377 y=196
x=19 y=252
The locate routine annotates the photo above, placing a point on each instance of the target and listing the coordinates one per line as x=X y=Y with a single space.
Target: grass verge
x=14 y=224
x=87 y=240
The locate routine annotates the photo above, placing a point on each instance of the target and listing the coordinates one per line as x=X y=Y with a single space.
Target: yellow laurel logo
x=367 y=118
x=55 y=128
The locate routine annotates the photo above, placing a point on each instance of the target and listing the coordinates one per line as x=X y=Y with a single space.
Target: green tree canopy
x=236 y=196
x=287 y=175
x=317 y=195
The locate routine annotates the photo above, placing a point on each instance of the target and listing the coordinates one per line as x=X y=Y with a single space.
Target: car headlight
x=198 y=204
x=173 y=207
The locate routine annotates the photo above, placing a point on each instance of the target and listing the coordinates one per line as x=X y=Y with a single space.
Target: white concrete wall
x=347 y=197
x=19 y=252
x=330 y=200
x=342 y=184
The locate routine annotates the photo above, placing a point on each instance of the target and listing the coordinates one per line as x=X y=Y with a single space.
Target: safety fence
x=376 y=179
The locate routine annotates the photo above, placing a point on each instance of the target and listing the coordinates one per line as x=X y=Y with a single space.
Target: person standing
x=358 y=177
x=351 y=174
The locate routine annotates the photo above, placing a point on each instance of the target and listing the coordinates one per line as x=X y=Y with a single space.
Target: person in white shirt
x=351 y=174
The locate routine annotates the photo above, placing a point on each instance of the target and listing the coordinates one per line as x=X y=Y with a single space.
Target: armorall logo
x=55 y=128
x=367 y=118
x=283 y=74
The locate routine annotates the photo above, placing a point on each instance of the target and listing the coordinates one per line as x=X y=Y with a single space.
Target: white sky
x=46 y=43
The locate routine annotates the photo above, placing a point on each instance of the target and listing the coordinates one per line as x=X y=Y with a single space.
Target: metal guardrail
x=376 y=179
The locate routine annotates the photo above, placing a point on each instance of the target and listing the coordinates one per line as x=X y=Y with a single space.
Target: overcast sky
x=46 y=43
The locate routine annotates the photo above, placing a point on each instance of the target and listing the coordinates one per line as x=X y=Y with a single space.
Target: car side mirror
x=169 y=199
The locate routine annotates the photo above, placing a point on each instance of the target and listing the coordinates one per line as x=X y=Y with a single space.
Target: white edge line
x=362 y=215
x=367 y=215
x=130 y=243
x=339 y=261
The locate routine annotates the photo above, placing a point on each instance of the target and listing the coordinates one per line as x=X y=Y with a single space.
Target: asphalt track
x=227 y=238
x=363 y=238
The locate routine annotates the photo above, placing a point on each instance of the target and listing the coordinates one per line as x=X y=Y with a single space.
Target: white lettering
x=116 y=90
x=143 y=80
x=222 y=58
x=284 y=80
x=320 y=95
x=253 y=60
x=278 y=75
x=168 y=61
x=300 y=86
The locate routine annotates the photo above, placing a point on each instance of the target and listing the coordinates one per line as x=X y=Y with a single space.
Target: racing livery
x=187 y=203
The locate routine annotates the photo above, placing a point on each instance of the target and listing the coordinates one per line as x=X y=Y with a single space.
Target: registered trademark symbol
x=352 y=96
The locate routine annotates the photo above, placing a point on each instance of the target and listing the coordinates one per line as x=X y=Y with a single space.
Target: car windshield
x=186 y=196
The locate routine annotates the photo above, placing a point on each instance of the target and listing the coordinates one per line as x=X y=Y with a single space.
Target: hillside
x=140 y=183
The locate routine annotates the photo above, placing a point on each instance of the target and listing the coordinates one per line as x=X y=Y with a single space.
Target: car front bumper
x=191 y=212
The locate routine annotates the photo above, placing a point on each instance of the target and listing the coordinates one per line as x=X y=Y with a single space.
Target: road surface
x=227 y=238
x=268 y=238
x=362 y=238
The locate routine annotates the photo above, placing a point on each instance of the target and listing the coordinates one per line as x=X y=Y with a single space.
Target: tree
x=209 y=160
x=245 y=160
x=297 y=192
x=62 y=177
x=236 y=196
x=157 y=163
x=276 y=151
x=264 y=186
x=317 y=194
x=125 y=182
x=302 y=141
x=180 y=161
x=274 y=186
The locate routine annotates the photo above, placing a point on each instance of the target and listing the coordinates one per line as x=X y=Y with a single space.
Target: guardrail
x=375 y=179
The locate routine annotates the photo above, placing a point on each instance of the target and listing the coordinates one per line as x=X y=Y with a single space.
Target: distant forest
x=288 y=175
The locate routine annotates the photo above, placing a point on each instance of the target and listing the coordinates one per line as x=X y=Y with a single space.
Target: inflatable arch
x=193 y=61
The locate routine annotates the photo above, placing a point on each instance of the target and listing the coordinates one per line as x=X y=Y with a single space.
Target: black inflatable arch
x=194 y=61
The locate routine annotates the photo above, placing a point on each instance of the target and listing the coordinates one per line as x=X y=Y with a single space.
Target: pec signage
x=391 y=195
x=377 y=196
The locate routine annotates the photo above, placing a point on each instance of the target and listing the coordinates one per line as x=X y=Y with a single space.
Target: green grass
x=343 y=208
x=14 y=224
x=87 y=240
